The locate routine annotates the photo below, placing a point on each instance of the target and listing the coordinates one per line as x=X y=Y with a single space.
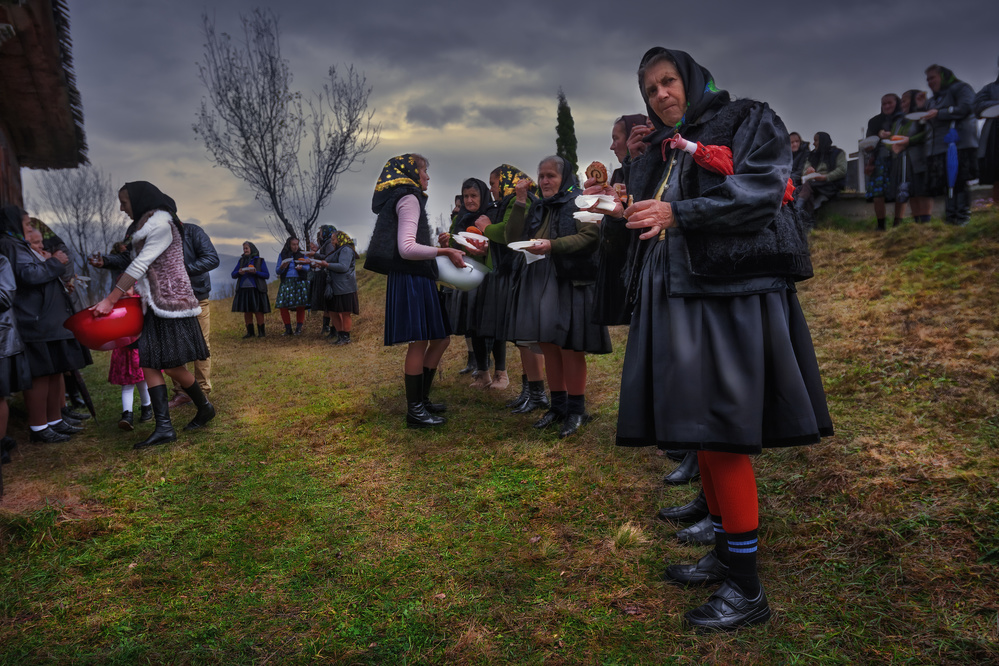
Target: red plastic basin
x=120 y=328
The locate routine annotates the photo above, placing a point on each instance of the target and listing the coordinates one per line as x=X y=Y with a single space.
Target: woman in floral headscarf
x=400 y=248
x=340 y=288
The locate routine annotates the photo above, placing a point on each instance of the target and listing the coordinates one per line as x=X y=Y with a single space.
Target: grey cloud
x=435 y=117
x=505 y=117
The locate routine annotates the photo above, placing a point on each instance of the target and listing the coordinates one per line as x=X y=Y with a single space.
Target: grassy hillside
x=308 y=526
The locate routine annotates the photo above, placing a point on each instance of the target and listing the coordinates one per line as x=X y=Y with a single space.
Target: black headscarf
x=464 y=217
x=826 y=152
x=145 y=197
x=10 y=221
x=698 y=84
x=912 y=100
x=244 y=259
x=566 y=192
x=286 y=250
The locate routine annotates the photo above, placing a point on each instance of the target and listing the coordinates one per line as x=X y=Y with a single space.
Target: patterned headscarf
x=344 y=239
x=508 y=177
x=244 y=260
x=326 y=233
x=10 y=221
x=399 y=172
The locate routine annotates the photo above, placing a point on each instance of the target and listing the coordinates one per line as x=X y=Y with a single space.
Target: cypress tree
x=565 y=141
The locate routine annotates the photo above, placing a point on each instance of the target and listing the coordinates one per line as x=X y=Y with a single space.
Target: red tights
x=730 y=489
x=286 y=316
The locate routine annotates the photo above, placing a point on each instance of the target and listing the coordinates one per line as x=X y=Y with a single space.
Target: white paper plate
x=991 y=112
x=468 y=235
x=810 y=176
x=916 y=115
x=584 y=216
x=601 y=201
x=868 y=143
x=889 y=142
x=464 y=242
x=522 y=245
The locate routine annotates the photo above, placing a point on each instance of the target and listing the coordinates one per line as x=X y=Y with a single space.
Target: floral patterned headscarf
x=508 y=176
x=326 y=233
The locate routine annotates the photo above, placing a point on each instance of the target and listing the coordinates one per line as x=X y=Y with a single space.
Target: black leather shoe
x=551 y=417
x=676 y=455
x=126 y=422
x=79 y=416
x=691 y=512
x=572 y=423
x=707 y=571
x=535 y=400
x=685 y=472
x=522 y=396
x=729 y=609
x=145 y=414
x=76 y=423
x=47 y=436
x=64 y=428
x=700 y=533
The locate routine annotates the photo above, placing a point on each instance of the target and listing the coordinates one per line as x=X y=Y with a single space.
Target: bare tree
x=253 y=124
x=84 y=208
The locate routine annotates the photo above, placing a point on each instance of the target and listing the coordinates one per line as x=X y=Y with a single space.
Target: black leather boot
x=288 y=330
x=163 y=432
x=126 y=422
x=298 y=328
x=206 y=411
x=691 y=512
x=416 y=414
x=536 y=398
x=428 y=380
x=685 y=472
x=145 y=413
x=249 y=331
x=343 y=339
x=524 y=392
x=261 y=331
x=702 y=532
x=469 y=366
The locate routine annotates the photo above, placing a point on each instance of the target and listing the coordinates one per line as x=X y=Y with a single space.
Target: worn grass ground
x=307 y=526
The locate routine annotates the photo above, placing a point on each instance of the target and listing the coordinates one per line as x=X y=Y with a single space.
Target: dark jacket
x=733 y=235
x=10 y=339
x=251 y=280
x=984 y=98
x=341 y=271
x=200 y=258
x=954 y=104
x=383 y=250
x=41 y=304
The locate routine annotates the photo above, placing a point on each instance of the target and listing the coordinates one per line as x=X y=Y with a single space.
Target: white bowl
x=466 y=278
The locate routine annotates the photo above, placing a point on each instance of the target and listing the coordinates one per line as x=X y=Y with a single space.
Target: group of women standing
x=719 y=359
x=321 y=279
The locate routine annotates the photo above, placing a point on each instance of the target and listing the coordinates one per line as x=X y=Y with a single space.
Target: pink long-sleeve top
x=407 y=210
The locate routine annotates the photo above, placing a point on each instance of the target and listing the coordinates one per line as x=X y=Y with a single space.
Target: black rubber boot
x=524 y=394
x=288 y=330
x=343 y=338
x=469 y=366
x=416 y=414
x=428 y=380
x=261 y=331
x=249 y=331
x=685 y=472
x=206 y=410
x=298 y=328
x=163 y=432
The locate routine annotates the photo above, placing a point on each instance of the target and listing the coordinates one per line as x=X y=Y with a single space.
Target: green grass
x=306 y=525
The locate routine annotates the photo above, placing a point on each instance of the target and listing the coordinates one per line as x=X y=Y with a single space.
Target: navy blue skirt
x=413 y=310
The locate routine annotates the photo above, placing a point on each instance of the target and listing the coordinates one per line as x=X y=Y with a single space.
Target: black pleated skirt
x=735 y=374
x=413 y=310
x=170 y=343
x=55 y=357
x=988 y=165
x=459 y=306
x=547 y=309
x=251 y=299
x=491 y=314
x=15 y=374
x=344 y=303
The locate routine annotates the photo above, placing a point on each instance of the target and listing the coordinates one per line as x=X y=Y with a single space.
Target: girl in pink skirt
x=127 y=373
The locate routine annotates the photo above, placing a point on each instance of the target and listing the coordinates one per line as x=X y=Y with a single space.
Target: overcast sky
x=472 y=87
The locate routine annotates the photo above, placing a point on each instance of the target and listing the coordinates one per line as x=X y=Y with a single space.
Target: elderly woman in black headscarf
x=823 y=178
x=879 y=157
x=554 y=297
x=41 y=305
x=171 y=335
x=719 y=358
x=251 y=296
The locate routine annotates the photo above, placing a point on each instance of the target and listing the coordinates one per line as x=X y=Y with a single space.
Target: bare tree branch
x=254 y=125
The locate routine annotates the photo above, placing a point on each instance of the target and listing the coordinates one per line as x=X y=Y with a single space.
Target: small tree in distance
x=565 y=139
x=253 y=124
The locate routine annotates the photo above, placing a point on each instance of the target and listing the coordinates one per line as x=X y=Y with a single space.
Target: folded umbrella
x=951 y=138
